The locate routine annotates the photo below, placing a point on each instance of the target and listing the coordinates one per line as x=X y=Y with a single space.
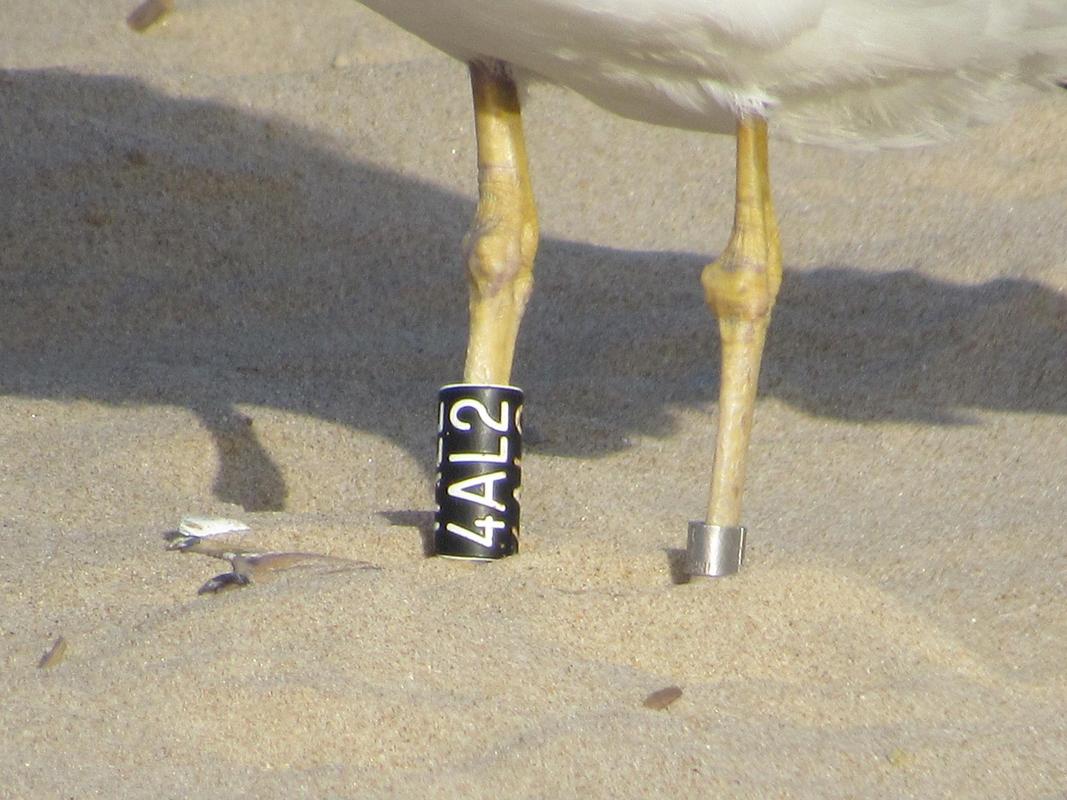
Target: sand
x=231 y=285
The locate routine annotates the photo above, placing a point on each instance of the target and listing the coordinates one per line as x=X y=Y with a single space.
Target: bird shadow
x=185 y=253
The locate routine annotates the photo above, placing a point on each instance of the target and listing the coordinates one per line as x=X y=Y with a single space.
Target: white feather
x=888 y=72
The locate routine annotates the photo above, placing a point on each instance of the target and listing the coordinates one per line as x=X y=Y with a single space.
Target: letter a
x=487 y=497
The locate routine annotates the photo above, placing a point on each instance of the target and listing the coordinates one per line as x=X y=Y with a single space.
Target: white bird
x=860 y=72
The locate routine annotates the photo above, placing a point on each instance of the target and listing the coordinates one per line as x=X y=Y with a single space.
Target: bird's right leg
x=740 y=288
x=502 y=241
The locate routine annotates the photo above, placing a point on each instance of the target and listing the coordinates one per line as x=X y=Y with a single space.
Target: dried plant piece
x=56 y=653
x=148 y=14
x=256 y=566
x=661 y=698
x=263 y=567
x=223 y=583
x=214 y=537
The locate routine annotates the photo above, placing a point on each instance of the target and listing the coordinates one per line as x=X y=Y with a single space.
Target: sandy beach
x=230 y=262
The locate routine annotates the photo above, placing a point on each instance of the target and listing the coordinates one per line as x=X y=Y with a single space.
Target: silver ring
x=713 y=551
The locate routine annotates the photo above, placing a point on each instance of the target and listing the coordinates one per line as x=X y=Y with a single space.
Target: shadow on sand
x=147 y=258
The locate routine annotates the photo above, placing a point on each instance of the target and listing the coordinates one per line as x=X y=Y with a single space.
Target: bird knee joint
x=500 y=254
x=738 y=289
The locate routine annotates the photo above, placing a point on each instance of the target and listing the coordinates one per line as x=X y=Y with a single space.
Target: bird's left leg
x=478 y=459
x=502 y=241
x=740 y=287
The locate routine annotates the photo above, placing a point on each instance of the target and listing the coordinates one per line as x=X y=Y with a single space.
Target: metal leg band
x=713 y=551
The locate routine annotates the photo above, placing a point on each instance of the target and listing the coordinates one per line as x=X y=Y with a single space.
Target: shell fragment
x=210 y=526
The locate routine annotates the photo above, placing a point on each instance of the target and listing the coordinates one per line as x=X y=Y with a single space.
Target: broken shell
x=194 y=525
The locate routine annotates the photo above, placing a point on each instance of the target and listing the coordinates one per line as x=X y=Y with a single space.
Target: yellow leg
x=740 y=288
x=502 y=241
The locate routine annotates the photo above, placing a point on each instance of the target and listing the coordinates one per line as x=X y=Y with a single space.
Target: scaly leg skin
x=740 y=288
x=502 y=241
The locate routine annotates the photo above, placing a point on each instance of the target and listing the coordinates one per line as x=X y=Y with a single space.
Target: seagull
x=868 y=73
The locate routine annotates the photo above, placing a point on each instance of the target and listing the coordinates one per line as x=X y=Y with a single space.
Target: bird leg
x=740 y=288
x=502 y=240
